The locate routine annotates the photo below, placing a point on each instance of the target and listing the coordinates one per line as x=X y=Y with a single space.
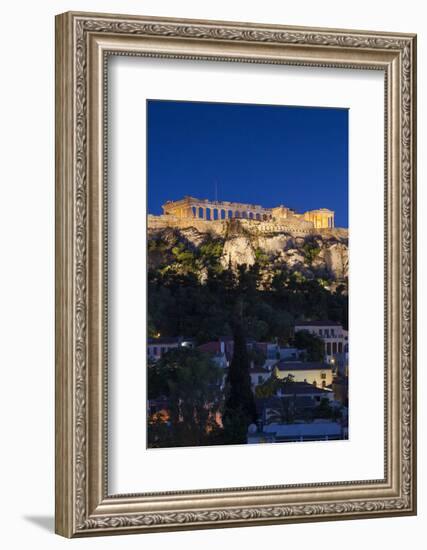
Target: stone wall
x=204 y=226
x=218 y=227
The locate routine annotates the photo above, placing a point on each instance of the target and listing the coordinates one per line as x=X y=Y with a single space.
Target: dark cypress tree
x=240 y=408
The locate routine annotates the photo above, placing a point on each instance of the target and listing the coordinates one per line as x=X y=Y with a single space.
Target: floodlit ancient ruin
x=191 y=210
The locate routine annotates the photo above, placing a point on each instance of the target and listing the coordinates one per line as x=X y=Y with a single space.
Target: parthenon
x=205 y=209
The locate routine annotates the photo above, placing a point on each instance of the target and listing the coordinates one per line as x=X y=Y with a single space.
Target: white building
x=332 y=334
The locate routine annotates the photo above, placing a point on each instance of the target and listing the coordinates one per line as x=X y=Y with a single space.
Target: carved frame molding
x=83 y=43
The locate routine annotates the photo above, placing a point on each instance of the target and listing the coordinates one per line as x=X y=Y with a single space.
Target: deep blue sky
x=268 y=155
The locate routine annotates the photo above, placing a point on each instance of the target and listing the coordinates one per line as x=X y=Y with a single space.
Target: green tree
x=261 y=257
x=311 y=250
x=240 y=408
x=325 y=410
x=268 y=388
x=311 y=343
x=190 y=381
x=284 y=412
x=210 y=253
x=184 y=256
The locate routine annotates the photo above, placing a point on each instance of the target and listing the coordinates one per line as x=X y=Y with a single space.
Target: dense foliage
x=190 y=381
x=190 y=293
x=313 y=346
x=240 y=408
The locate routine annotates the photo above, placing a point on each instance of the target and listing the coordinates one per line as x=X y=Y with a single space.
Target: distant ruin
x=203 y=212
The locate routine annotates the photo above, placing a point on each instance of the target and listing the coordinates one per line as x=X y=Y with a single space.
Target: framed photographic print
x=235 y=274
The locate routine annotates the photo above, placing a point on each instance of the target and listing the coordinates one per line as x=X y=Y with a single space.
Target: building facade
x=318 y=374
x=203 y=209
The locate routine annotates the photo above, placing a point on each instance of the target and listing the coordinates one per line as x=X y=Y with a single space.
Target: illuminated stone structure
x=204 y=209
x=191 y=208
x=320 y=218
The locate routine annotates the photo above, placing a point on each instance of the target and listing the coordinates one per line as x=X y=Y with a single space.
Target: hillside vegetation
x=198 y=282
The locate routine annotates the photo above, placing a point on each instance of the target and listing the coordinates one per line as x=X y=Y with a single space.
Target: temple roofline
x=193 y=208
x=191 y=199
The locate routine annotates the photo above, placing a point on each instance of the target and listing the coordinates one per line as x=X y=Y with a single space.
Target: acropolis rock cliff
x=279 y=244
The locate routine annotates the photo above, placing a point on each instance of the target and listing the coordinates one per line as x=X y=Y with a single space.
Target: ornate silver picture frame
x=84 y=42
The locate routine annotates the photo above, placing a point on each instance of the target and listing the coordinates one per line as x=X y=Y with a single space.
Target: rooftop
x=302 y=388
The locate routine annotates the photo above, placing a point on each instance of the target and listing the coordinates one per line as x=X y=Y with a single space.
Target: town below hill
x=297 y=393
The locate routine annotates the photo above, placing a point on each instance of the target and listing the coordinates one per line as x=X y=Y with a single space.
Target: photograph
x=235 y=272
x=247 y=274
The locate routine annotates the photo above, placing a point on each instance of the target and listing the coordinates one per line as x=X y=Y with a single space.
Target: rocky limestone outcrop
x=336 y=259
x=238 y=250
x=322 y=254
x=275 y=243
